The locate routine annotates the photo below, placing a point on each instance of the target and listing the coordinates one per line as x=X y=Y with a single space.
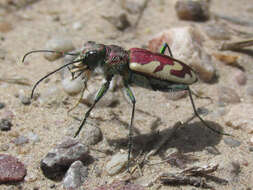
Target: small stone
x=23 y=98
x=236 y=168
x=72 y=87
x=117 y=163
x=120 y=21
x=251 y=148
x=240 y=77
x=20 y=140
x=186 y=45
x=58 y=160
x=132 y=6
x=240 y=119
x=249 y=90
x=231 y=142
x=251 y=141
x=33 y=137
x=11 y=170
x=3 y=53
x=26 y=100
x=228 y=95
x=196 y=10
x=120 y=185
x=5 y=27
x=75 y=176
x=77 y=26
x=146 y=181
x=90 y=135
x=2 y=105
x=31 y=177
x=58 y=44
x=212 y=150
x=217 y=32
x=4 y=147
x=5 y=124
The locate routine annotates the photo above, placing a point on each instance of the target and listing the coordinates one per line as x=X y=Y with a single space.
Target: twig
x=18 y=80
x=235 y=20
x=236 y=45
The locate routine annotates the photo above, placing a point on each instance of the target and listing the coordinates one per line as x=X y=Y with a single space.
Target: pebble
x=251 y=141
x=239 y=117
x=58 y=44
x=75 y=176
x=120 y=185
x=228 y=95
x=196 y=10
x=5 y=124
x=120 y=21
x=3 y=53
x=72 y=87
x=11 y=169
x=77 y=26
x=212 y=150
x=117 y=163
x=90 y=135
x=20 y=140
x=5 y=26
x=2 y=105
x=236 y=167
x=240 y=77
x=231 y=142
x=249 y=90
x=23 y=98
x=55 y=163
x=217 y=32
x=186 y=45
x=251 y=148
x=4 y=147
x=132 y=6
x=33 y=137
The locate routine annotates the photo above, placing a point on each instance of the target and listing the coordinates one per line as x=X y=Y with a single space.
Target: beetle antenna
x=47 y=51
x=49 y=74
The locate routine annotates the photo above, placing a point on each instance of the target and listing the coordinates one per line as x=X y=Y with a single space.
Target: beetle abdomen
x=160 y=66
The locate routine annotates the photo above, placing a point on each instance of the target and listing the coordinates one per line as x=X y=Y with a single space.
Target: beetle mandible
x=141 y=67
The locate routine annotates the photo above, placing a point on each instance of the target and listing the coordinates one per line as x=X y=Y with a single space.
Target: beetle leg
x=130 y=135
x=99 y=95
x=200 y=118
x=162 y=50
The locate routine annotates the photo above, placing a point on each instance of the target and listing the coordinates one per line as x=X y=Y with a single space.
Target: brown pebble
x=11 y=170
x=5 y=27
x=196 y=10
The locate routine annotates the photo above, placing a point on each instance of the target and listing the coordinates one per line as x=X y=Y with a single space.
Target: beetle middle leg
x=99 y=95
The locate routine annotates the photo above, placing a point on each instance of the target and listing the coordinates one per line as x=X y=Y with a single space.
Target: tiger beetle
x=155 y=71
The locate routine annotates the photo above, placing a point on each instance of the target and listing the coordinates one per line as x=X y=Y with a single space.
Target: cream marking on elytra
x=164 y=74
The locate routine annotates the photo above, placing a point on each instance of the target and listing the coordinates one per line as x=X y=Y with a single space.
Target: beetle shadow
x=188 y=138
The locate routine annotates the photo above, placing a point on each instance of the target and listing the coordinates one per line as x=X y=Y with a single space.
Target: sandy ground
x=31 y=26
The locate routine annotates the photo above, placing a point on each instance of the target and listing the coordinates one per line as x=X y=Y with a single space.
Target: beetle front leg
x=99 y=95
x=130 y=135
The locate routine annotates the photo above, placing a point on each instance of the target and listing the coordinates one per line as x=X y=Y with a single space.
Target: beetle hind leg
x=200 y=118
x=166 y=45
